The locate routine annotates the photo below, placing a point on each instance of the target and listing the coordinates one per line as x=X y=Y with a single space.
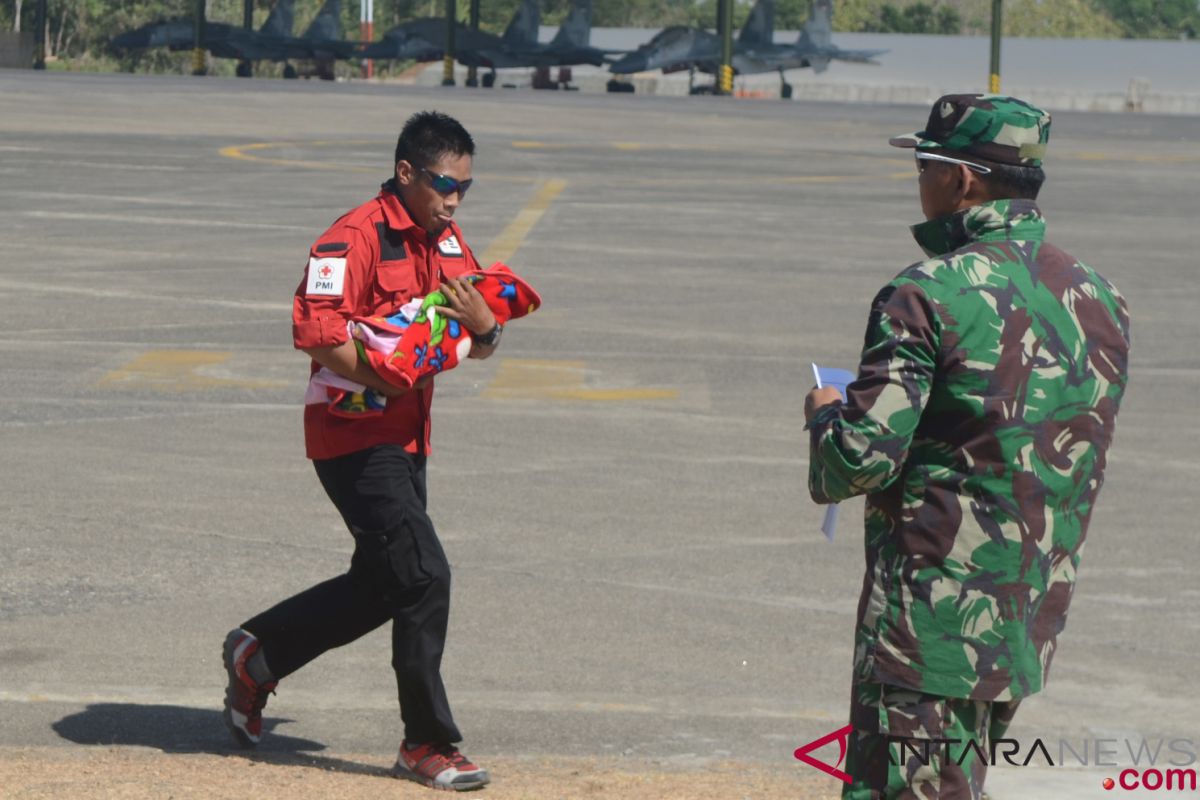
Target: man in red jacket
x=403 y=244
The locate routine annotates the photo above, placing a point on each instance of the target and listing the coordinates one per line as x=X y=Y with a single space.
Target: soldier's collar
x=996 y=220
x=394 y=212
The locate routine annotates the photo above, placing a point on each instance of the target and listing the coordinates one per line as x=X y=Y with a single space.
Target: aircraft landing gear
x=244 y=69
x=541 y=79
x=785 y=88
x=694 y=89
x=489 y=80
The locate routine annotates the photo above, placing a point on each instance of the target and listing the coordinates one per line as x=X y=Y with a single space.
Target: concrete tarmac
x=621 y=490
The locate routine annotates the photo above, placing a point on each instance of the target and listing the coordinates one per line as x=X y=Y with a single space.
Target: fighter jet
x=417 y=40
x=178 y=34
x=321 y=43
x=519 y=46
x=679 y=48
x=424 y=40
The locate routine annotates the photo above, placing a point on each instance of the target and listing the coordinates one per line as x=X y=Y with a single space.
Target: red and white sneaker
x=244 y=699
x=440 y=766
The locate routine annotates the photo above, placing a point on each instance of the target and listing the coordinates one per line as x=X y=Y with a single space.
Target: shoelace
x=432 y=764
x=444 y=757
x=260 y=700
x=258 y=695
x=457 y=758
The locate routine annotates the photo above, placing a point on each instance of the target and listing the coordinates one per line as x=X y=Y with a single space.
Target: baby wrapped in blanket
x=416 y=341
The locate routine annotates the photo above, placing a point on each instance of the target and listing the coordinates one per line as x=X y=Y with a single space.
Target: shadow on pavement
x=178 y=729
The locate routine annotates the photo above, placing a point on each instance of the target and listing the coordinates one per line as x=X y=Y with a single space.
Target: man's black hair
x=428 y=136
x=1010 y=182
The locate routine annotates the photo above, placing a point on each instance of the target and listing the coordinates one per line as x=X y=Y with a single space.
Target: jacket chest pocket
x=397 y=282
x=401 y=273
x=449 y=267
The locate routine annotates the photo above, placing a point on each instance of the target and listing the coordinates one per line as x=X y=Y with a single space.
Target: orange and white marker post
x=366 y=32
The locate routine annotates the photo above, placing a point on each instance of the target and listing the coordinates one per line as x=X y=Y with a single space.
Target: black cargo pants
x=398 y=572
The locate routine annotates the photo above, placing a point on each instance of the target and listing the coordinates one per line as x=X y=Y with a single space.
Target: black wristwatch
x=491 y=338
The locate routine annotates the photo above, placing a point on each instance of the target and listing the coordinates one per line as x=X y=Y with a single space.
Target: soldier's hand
x=817 y=399
x=466 y=304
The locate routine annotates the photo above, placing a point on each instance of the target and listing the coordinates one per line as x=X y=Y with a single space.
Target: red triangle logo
x=842 y=735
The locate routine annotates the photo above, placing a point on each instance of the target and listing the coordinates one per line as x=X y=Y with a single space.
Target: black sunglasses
x=444 y=184
x=924 y=158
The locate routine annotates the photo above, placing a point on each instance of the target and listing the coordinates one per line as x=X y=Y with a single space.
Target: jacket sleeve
x=335 y=281
x=859 y=447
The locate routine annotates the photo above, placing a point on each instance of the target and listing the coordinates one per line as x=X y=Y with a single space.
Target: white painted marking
x=175 y=300
x=148 y=201
x=112 y=165
x=143 y=220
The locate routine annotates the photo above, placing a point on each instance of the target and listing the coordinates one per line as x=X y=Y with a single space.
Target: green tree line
x=81 y=29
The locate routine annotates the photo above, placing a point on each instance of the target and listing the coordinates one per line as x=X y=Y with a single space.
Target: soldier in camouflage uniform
x=977 y=428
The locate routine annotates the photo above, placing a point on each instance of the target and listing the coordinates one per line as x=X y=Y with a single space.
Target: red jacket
x=370 y=262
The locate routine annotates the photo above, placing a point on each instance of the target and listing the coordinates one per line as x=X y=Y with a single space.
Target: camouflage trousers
x=907 y=745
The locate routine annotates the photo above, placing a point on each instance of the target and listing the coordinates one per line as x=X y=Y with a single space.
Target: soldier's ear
x=962 y=179
x=974 y=189
x=404 y=173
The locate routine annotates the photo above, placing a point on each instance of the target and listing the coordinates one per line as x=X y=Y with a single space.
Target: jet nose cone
x=631 y=62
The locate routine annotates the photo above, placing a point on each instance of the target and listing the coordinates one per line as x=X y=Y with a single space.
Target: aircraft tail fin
x=817 y=32
x=280 y=20
x=576 y=29
x=523 y=29
x=327 y=25
x=760 y=25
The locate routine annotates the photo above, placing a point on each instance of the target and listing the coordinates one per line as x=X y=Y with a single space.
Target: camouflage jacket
x=977 y=428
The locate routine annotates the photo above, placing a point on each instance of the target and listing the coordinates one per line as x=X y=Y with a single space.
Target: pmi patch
x=450 y=246
x=326 y=276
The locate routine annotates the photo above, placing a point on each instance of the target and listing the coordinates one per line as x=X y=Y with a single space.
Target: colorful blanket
x=416 y=341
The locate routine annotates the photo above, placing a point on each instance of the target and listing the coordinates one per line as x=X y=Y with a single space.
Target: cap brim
x=916 y=140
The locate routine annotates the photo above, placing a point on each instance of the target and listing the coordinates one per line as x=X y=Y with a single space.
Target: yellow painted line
x=1162 y=159
x=773 y=181
x=535 y=376
x=511 y=238
x=537 y=146
x=815 y=179
x=1153 y=158
x=627 y=146
x=618 y=395
x=179 y=371
x=673 y=146
x=249 y=152
x=559 y=379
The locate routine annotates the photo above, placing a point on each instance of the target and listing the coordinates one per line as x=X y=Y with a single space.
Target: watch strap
x=491 y=337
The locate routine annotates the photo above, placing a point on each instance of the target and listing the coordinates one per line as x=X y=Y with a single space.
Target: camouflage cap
x=994 y=127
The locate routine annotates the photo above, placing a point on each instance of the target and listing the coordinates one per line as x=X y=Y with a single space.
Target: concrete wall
x=1138 y=96
x=1056 y=74
x=16 y=49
